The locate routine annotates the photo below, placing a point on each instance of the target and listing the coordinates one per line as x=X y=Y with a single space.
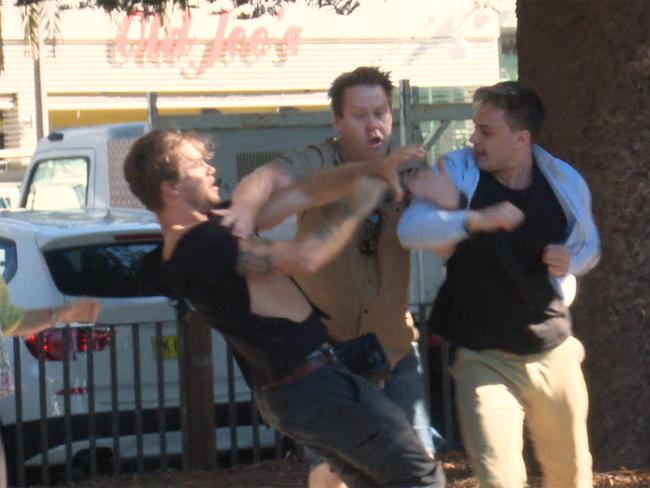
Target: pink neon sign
x=172 y=45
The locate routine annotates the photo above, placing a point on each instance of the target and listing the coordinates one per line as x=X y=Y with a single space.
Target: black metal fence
x=86 y=440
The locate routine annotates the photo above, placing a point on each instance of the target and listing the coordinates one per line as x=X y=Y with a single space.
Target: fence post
x=196 y=393
x=152 y=110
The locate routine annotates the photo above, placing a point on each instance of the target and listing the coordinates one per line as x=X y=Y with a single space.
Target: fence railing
x=109 y=399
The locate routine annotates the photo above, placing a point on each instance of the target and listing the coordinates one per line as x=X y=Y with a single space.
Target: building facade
x=100 y=68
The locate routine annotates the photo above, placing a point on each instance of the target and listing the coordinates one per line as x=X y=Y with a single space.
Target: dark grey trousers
x=352 y=425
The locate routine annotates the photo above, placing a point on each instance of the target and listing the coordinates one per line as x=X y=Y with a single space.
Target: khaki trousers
x=496 y=391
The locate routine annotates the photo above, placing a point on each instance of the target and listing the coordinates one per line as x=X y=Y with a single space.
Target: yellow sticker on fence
x=168 y=348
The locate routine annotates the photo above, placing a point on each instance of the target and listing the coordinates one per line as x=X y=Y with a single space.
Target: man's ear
x=336 y=121
x=524 y=138
x=168 y=189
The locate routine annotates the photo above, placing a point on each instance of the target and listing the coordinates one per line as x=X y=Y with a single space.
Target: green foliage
x=41 y=21
x=41 y=17
x=244 y=8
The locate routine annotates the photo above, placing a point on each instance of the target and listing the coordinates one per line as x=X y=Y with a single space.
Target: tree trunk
x=590 y=62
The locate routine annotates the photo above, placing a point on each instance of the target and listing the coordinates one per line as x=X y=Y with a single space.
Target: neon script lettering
x=172 y=45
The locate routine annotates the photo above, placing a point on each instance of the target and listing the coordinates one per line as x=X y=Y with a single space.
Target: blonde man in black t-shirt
x=243 y=287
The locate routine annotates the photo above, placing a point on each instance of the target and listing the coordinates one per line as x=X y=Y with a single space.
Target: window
x=247 y=162
x=8 y=259
x=58 y=184
x=110 y=270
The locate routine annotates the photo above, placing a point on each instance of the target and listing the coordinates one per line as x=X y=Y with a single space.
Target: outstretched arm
x=274 y=203
x=259 y=256
x=34 y=321
x=334 y=184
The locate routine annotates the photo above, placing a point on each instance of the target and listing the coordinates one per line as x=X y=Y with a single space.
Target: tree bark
x=590 y=62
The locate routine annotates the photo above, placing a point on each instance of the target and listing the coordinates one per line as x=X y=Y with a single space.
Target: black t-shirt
x=202 y=270
x=498 y=293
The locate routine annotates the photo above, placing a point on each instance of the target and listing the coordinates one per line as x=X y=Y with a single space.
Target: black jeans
x=352 y=425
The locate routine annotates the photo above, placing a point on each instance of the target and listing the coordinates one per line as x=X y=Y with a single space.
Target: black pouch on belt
x=364 y=356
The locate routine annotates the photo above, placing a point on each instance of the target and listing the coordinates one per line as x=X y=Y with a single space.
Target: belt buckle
x=326 y=350
x=329 y=351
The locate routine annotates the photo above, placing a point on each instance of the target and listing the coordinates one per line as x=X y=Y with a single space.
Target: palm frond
x=31 y=17
x=42 y=22
x=51 y=22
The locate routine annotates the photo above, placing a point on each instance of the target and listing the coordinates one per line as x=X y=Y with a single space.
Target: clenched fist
x=501 y=216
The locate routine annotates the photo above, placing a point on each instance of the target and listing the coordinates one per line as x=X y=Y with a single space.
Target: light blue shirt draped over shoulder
x=423 y=225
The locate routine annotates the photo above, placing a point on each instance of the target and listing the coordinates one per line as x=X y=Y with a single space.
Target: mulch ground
x=292 y=473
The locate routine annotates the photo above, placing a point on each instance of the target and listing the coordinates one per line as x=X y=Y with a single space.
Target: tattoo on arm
x=259 y=256
x=254 y=256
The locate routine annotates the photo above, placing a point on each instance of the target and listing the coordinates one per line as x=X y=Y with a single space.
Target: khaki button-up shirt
x=360 y=293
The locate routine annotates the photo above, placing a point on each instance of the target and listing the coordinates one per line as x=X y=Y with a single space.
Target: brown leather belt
x=314 y=361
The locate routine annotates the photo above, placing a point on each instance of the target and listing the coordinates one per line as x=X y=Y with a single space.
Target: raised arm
x=273 y=203
x=435 y=186
x=334 y=184
x=438 y=219
x=311 y=252
x=251 y=194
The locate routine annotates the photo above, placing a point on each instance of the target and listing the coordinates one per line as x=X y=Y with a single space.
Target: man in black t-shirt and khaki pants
x=517 y=226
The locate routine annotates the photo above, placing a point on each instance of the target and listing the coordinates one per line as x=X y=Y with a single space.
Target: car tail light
x=97 y=339
x=80 y=340
x=75 y=390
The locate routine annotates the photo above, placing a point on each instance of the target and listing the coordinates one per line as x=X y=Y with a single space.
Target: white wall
x=429 y=42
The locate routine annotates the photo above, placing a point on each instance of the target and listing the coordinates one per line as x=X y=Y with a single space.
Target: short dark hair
x=153 y=159
x=522 y=105
x=363 y=75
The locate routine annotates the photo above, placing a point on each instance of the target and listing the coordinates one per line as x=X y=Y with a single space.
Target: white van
x=81 y=167
x=72 y=231
x=50 y=258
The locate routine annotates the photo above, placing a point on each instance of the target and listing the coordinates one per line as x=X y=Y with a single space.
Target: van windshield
x=58 y=184
x=109 y=270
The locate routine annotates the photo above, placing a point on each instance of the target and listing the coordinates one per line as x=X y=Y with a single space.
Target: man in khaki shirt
x=365 y=289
